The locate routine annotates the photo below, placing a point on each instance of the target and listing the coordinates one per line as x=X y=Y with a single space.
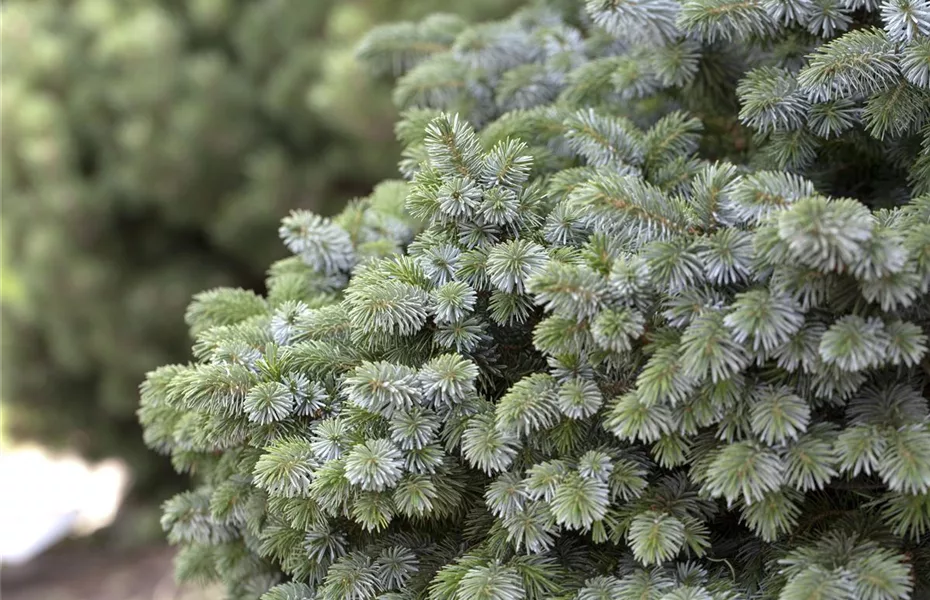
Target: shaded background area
x=149 y=150
x=142 y=574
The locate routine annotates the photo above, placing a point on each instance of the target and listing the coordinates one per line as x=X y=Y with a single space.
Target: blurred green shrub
x=150 y=149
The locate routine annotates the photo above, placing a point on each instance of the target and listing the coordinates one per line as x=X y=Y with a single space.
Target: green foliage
x=150 y=149
x=614 y=358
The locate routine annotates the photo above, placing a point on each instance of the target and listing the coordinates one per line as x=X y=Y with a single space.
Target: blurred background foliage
x=150 y=148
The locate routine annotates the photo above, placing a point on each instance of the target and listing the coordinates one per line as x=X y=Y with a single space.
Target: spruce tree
x=646 y=318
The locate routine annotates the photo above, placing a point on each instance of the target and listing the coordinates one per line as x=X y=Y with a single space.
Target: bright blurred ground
x=56 y=499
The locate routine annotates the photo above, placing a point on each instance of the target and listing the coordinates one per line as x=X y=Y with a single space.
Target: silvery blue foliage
x=665 y=347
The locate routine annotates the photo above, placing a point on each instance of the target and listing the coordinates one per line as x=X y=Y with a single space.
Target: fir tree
x=647 y=319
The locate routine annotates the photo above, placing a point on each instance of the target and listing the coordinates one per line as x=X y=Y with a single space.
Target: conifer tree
x=645 y=319
x=150 y=148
